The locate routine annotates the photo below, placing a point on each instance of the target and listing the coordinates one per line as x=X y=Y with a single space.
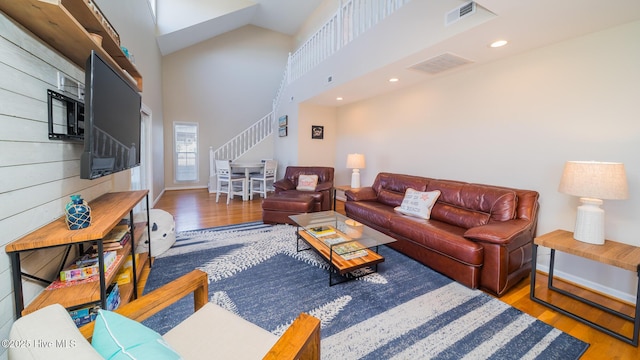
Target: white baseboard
x=155 y=201
x=630 y=298
x=186 y=187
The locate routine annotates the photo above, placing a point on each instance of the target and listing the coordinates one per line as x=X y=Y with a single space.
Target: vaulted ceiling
x=187 y=22
x=527 y=24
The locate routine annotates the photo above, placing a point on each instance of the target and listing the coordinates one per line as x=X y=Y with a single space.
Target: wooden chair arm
x=301 y=340
x=195 y=282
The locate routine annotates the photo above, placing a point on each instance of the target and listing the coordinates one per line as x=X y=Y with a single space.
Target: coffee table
x=351 y=248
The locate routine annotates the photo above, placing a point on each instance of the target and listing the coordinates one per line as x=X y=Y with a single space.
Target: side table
x=611 y=253
x=335 y=190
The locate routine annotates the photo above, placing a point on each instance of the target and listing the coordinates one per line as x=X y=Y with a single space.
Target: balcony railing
x=352 y=18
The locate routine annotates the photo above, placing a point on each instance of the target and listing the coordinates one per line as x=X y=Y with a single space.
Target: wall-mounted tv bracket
x=72 y=113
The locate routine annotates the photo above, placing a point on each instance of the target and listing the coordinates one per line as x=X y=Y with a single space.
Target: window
x=185 y=160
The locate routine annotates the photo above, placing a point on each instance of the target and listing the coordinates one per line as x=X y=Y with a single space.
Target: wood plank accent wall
x=37 y=175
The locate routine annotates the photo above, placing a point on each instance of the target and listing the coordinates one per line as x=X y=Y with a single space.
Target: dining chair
x=267 y=175
x=224 y=175
x=261 y=171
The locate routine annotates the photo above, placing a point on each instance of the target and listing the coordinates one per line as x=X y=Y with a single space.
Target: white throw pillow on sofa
x=418 y=203
x=307 y=182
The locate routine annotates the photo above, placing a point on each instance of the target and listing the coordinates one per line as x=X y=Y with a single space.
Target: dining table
x=247 y=167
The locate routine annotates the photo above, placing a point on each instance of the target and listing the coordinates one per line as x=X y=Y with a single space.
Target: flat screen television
x=112 y=121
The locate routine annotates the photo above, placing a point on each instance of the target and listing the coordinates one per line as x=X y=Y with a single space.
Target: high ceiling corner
x=185 y=23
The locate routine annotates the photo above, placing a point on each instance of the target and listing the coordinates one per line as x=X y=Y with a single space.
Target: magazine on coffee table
x=321 y=231
x=350 y=250
x=333 y=239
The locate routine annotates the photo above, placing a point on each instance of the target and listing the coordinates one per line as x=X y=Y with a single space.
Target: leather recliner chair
x=322 y=195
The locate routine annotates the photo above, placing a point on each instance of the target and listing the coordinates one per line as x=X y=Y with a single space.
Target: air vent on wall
x=440 y=63
x=458 y=13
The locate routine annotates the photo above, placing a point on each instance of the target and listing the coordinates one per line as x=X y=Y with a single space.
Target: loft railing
x=352 y=18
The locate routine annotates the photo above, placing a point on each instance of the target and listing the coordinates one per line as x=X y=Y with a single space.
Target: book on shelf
x=86 y=266
x=333 y=239
x=320 y=231
x=59 y=284
x=88 y=313
x=355 y=254
x=124 y=275
x=115 y=245
x=84 y=315
x=117 y=233
x=350 y=250
x=113 y=296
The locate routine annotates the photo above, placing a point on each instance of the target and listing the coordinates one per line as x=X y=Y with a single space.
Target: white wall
x=38 y=175
x=318 y=18
x=515 y=122
x=225 y=85
x=316 y=152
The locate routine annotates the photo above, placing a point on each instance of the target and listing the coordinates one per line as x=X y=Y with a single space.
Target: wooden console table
x=106 y=212
x=611 y=253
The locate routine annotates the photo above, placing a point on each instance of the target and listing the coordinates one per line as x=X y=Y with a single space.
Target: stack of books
x=350 y=250
x=320 y=231
x=117 y=237
x=86 y=314
x=86 y=266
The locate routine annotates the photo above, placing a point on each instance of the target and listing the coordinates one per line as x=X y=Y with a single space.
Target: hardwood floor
x=197 y=209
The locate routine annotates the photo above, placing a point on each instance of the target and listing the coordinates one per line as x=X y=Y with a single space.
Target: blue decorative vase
x=78 y=213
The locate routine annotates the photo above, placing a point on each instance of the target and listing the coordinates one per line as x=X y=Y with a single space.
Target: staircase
x=352 y=18
x=240 y=144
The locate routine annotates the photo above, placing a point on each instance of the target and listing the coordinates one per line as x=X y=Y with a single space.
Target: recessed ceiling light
x=339 y=98
x=499 y=43
x=394 y=80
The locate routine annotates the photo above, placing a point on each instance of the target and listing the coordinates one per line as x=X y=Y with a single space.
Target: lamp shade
x=591 y=179
x=355 y=161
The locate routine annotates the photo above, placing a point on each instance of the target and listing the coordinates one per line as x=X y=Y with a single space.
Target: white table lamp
x=593 y=181
x=355 y=162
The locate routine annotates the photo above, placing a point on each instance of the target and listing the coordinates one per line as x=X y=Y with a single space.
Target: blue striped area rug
x=405 y=311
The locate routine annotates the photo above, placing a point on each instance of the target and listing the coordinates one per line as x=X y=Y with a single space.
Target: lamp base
x=355 y=179
x=590 y=222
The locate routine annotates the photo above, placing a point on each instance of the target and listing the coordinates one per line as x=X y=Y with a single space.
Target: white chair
x=268 y=175
x=261 y=171
x=224 y=175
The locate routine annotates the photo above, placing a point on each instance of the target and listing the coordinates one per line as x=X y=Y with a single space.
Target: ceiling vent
x=458 y=13
x=440 y=63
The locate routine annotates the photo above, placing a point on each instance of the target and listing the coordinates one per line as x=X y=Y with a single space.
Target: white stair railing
x=352 y=18
x=244 y=141
x=240 y=145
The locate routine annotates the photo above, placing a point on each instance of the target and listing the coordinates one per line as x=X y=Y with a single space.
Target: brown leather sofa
x=478 y=235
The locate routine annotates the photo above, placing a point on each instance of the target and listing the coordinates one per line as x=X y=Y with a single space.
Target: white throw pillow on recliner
x=307 y=182
x=49 y=333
